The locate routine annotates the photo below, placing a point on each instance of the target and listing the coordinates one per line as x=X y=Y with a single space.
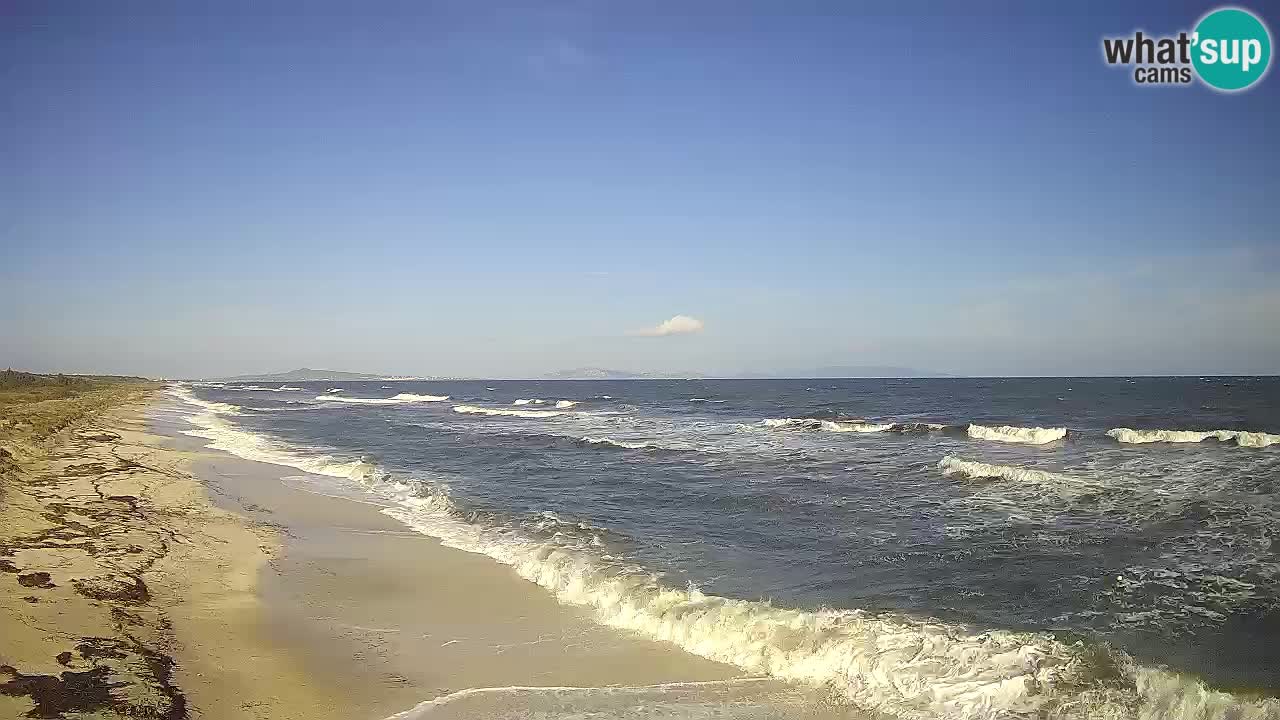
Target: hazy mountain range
x=852 y=371
x=308 y=374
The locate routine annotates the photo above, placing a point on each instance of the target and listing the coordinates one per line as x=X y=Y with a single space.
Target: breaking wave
x=978 y=470
x=618 y=443
x=909 y=667
x=393 y=400
x=804 y=423
x=259 y=388
x=359 y=401
x=217 y=407
x=1242 y=438
x=856 y=427
x=223 y=435
x=477 y=410
x=529 y=401
x=1060 y=484
x=1011 y=434
x=564 y=404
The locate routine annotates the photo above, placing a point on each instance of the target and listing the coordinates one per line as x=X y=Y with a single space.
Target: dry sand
x=126 y=593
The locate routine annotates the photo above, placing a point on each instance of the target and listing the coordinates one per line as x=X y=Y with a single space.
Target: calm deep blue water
x=1165 y=551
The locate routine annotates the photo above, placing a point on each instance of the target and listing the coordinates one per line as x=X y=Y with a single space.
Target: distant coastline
x=852 y=372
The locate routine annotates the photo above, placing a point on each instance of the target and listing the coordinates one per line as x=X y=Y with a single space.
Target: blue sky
x=509 y=189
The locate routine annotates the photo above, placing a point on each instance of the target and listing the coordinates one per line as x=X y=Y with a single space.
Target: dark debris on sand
x=113 y=539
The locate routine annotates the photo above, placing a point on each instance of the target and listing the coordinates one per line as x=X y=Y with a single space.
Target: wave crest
x=1243 y=438
x=618 y=443
x=1062 y=485
x=804 y=423
x=477 y=410
x=222 y=435
x=393 y=400
x=884 y=662
x=904 y=666
x=979 y=470
x=1011 y=434
x=856 y=427
x=220 y=408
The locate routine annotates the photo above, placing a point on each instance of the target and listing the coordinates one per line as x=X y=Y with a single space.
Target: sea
x=924 y=548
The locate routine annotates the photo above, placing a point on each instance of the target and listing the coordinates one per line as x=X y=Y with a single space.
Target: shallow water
x=931 y=547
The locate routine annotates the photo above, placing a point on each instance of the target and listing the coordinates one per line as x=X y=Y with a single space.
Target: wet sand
x=399 y=625
x=390 y=617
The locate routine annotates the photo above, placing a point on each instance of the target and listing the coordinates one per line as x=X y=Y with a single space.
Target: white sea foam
x=849 y=426
x=909 y=667
x=223 y=435
x=904 y=666
x=617 y=443
x=477 y=410
x=359 y=400
x=1011 y=434
x=1243 y=438
x=529 y=401
x=260 y=388
x=185 y=395
x=1060 y=484
x=886 y=662
x=739 y=699
x=334 y=390
x=393 y=400
x=565 y=404
x=977 y=470
x=855 y=427
x=807 y=423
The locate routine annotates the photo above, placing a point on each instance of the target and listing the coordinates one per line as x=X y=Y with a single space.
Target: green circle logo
x=1232 y=49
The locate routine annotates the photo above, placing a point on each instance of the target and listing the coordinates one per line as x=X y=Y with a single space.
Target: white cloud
x=677 y=325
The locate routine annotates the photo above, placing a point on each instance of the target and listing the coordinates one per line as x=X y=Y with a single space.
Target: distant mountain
x=596 y=373
x=308 y=374
x=854 y=371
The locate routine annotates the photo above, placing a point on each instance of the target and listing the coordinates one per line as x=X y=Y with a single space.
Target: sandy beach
x=128 y=593
x=149 y=576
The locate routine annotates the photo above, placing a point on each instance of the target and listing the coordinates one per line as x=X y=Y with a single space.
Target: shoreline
x=420 y=620
x=148 y=575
